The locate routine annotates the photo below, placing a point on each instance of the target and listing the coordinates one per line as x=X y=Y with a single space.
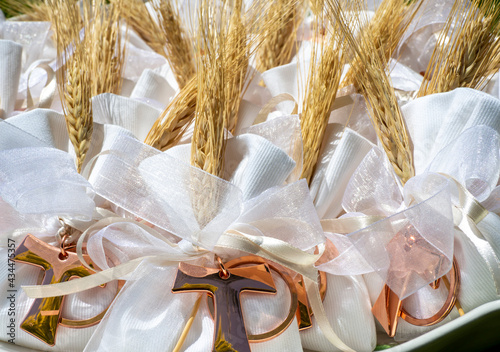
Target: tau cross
x=388 y=308
x=58 y=266
x=225 y=286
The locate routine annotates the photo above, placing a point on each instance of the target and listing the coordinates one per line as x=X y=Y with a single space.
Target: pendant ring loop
x=224 y=274
x=447 y=306
x=64 y=254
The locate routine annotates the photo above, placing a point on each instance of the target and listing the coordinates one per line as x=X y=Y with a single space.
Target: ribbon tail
x=348 y=225
x=314 y=297
x=84 y=283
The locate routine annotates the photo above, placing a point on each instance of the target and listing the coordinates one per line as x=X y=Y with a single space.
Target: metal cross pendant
x=58 y=265
x=388 y=308
x=225 y=286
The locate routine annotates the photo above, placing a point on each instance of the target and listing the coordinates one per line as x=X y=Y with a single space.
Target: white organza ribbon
x=431 y=206
x=49 y=90
x=13 y=137
x=44 y=181
x=270 y=248
x=280 y=224
x=408 y=249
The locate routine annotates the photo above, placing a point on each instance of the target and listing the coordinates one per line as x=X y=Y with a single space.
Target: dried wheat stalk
x=179 y=114
x=74 y=78
x=212 y=113
x=212 y=110
x=468 y=50
x=106 y=51
x=175 y=119
x=178 y=48
x=28 y=10
x=379 y=94
x=164 y=34
x=384 y=32
x=140 y=20
x=237 y=54
x=279 y=41
x=248 y=33
x=325 y=70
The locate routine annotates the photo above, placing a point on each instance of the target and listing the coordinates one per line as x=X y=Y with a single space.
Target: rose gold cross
x=225 y=286
x=58 y=266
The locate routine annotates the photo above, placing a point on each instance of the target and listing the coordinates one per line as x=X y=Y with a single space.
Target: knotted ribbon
x=432 y=203
x=280 y=224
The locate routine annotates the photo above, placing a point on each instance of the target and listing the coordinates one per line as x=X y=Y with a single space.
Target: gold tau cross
x=58 y=265
x=225 y=286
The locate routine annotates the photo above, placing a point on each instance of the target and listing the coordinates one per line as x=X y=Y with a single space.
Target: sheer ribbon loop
x=44 y=181
x=48 y=92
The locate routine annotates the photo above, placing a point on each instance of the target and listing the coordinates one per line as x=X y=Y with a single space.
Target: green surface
x=478 y=330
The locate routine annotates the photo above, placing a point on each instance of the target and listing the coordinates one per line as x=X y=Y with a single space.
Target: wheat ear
x=107 y=53
x=178 y=48
x=468 y=50
x=237 y=54
x=140 y=20
x=325 y=70
x=383 y=32
x=278 y=41
x=179 y=114
x=212 y=111
x=212 y=115
x=379 y=94
x=27 y=10
x=74 y=77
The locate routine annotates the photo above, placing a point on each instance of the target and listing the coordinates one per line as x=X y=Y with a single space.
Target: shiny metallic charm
x=58 y=265
x=388 y=307
x=226 y=285
x=299 y=303
x=252 y=260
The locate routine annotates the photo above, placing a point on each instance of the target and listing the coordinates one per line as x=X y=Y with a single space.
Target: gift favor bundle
x=228 y=175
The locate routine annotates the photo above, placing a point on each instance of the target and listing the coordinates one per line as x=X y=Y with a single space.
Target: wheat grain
x=278 y=43
x=379 y=94
x=74 y=77
x=468 y=49
x=174 y=120
x=325 y=70
x=178 y=49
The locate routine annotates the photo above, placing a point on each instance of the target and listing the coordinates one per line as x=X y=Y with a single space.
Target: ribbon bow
x=280 y=224
x=422 y=215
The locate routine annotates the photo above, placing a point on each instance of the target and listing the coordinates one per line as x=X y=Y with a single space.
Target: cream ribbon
x=472 y=213
x=269 y=248
x=48 y=92
x=348 y=225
